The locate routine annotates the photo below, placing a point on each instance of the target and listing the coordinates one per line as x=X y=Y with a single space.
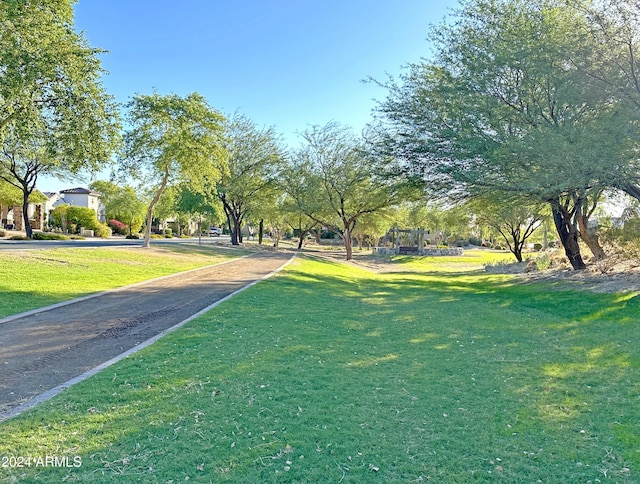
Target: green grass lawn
x=328 y=373
x=35 y=278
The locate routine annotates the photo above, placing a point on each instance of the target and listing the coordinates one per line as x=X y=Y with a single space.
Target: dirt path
x=41 y=351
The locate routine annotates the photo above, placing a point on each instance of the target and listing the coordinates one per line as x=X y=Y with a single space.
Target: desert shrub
x=537 y=247
x=543 y=262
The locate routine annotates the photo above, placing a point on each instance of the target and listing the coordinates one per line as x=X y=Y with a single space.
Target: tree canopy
x=340 y=183
x=255 y=157
x=55 y=116
x=173 y=139
x=504 y=106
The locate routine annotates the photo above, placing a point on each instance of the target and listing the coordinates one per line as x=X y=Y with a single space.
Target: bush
x=103 y=231
x=18 y=237
x=537 y=247
x=543 y=262
x=49 y=236
x=3 y=233
x=134 y=236
x=168 y=233
x=475 y=241
x=118 y=227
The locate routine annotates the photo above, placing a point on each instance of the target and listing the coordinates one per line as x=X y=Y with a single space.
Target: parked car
x=214 y=232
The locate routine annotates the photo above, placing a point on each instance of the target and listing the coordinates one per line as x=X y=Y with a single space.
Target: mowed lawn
x=331 y=373
x=31 y=279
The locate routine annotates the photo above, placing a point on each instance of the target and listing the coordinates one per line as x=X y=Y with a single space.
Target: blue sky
x=289 y=64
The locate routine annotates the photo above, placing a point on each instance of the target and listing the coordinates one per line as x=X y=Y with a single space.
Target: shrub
x=543 y=262
x=134 y=236
x=168 y=233
x=103 y=231
x=3 y=233
x=18 y=237
x=475 y=241
x=118 y=227
x=537 y=247
x=49 y=236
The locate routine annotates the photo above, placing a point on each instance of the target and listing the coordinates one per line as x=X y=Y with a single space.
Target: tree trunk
x=348 y=243
x=260 y=231
x=301 y=239
x=25 y=214
x=568 y=235
x=156 y=197
x=589 y=238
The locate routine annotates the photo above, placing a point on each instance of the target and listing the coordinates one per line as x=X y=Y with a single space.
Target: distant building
x=83 y=197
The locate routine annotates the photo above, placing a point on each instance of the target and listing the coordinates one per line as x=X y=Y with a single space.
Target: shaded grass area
x=327 y=373
x=34 y=278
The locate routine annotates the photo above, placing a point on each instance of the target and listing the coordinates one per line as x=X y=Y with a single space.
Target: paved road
x=41 y=351
x=111 y=242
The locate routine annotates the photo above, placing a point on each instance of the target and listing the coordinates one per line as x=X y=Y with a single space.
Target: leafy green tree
x=198 y=204
x=254 y=162
x=127 y=207
x=502 y=106
x=341 y=183
x=614 y=26
x=55 y=117
x=108 y=190
x=173 y=139
x=372 y=226
x=299 y=222
x=515 y=221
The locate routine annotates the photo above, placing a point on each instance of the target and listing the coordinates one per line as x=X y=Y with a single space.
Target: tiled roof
x=80 y=191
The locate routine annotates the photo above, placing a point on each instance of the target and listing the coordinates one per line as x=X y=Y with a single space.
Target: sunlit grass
x=328 y=373
x=34 y=278
x=471 y=259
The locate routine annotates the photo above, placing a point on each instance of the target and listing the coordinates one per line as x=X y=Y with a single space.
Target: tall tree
x=341 y=175
x=502 y=106
x=55 y=117
x=127 y=207
x=614 y=25
x=172 y=139
x=255 y=157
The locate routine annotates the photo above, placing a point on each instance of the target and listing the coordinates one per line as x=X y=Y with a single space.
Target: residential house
x=11 y=216
x=84 y=197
